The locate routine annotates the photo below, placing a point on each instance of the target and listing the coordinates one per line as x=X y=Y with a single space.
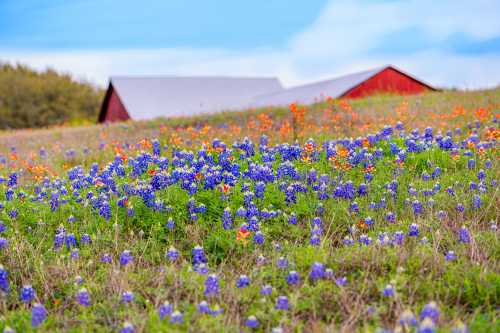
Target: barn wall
x=388 y=80
x=115 y=110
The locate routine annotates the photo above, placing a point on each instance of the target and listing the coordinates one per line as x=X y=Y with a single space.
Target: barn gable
x=151 y=97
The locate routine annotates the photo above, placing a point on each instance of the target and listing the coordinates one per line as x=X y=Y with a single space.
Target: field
x=378 y=214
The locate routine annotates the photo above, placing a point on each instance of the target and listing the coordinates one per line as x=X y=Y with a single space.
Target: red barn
x=387 y=79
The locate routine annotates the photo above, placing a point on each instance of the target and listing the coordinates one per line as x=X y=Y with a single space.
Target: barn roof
x=313 y=92
x=150 y=97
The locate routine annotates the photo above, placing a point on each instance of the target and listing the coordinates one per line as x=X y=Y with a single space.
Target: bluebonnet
x=450 y=256
x=341 y=281
x=212 y=285
x=126 y=257
x=38 y=314
x=252 y=322
x=172 y=254
x=266 y=290
x=388 y=291
x=413 y=230
x=282 y=262
x=28 y=294
x=317 y=271
x=4 y=279
x=427 y=326
x=170 y=223
x=203 y=307
x=127 y=296
x=127 y=328
x=407 y=318
x=106 y=258
x=293 y=278
x=430 y=310
x=176 y=317
x=165 y=310
x=198 y=256
x=83 y=297
x=463 y=235
x=243 y=281
x=282 y=303
x=258 y=238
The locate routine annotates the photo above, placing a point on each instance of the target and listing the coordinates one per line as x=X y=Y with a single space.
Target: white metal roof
x=151 y=97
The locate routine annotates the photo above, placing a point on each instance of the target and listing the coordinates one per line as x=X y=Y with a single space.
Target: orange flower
x=242 y=235
x=225 y=188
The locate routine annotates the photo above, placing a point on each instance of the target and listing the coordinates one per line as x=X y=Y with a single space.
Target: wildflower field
x=378 y=214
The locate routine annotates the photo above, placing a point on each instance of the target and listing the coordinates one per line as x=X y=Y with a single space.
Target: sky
x=447 y=43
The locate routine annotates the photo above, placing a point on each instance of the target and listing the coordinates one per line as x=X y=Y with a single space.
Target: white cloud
x=338 y=42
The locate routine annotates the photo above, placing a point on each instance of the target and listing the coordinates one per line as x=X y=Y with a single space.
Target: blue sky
x=446 y=42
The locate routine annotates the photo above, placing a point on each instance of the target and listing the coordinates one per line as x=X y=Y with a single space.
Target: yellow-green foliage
x=37 y=99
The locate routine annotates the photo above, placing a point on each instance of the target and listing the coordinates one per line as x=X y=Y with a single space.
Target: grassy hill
x=259 y=221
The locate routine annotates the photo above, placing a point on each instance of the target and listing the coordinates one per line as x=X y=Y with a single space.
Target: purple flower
x=388 y=291
x=417 y=207
x=198 y=256
x=172 y=254
x=317 y=271
x=293 y=278
x=341 y=281
x=282 y=303
x=282 y=263
x=252 y=322
x=212 y=285
x=106 y=258
x=430 y=310
x=85 y=239
x=243 y=281
x=125 y=258
x=165 y=310
x=170 y=223
x=407 y=318
x=127 y=328
x=413 y=230
x=258 y=238
x=176 y=318
x=476 y=201
x=4 y=280
x=127 y=296
x=463 y=235
x=450 y=256
x=266 y=290
x=203 y=307
x=83 y=297
x=38 y=314
x=427 y=326
x=28 y=294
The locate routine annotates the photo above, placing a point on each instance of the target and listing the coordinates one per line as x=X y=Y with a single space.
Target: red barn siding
x=113 y=108
x=388 y=80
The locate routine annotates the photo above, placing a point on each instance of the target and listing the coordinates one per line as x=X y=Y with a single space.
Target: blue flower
x=176 y=318
x=28 y=294
x=282 y=263
x=4 y=280
x=243 y=281
x=212 y=285
x=165 y=310
x=282 y=303
x=38 y=314
x=203 y=307
x=83 y=297
x=407 y=318
x=252 y=322
x=266 y=290
x=413 y=230
x=126 y=257
x=127 y=296
x=172 y=254
x=450 y=256
x=463 y=235
x=293 y=278
x=388 y=291
x=127 y=328
x=427 y=326
x=317 y=271
x=430 y=310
